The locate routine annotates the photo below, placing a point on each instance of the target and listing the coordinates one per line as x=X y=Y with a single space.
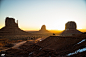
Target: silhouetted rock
x=11 y=28
x=10 y=22
x=70 y=29
x=43 y=29
x=70 y=25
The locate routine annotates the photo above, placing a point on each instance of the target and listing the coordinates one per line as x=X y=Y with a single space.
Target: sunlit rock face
x=70 y=29
x=11 y=28
x=43 y=29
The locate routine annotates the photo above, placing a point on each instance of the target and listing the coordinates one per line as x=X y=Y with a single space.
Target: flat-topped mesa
x=43 y=29
x=10 y=22
x=70 y=29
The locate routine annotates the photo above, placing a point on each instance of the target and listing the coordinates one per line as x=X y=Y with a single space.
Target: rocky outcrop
x=43 y=29
x=11 y=28
x=70 y=29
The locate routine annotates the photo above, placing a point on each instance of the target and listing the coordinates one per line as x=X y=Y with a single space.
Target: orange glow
x=29 y=29
x=82 y=30
x=55 y=31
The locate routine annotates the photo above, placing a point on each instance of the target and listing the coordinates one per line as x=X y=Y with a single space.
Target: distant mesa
x=11 y=28
x=43 y=29
x=70 y=29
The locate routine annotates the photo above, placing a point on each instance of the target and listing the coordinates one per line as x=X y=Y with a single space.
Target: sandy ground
x=16 y=45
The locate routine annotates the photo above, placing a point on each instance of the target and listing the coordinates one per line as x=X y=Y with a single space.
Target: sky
x=32 y=14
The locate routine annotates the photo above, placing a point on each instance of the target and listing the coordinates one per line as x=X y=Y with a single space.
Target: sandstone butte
x=11 y=28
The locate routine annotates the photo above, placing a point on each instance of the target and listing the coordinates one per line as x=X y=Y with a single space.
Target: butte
x=70 y=29
x=11 y=28
x=43 y=29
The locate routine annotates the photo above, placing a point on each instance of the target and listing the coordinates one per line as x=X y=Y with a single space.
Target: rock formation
x=43 y=29
x=70 y=29
x=11 y=28
x=10 y=22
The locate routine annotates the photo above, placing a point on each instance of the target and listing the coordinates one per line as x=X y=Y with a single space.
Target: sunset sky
x=32 y=14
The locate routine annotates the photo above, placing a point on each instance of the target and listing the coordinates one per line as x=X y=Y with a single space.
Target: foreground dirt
x=53 y=46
